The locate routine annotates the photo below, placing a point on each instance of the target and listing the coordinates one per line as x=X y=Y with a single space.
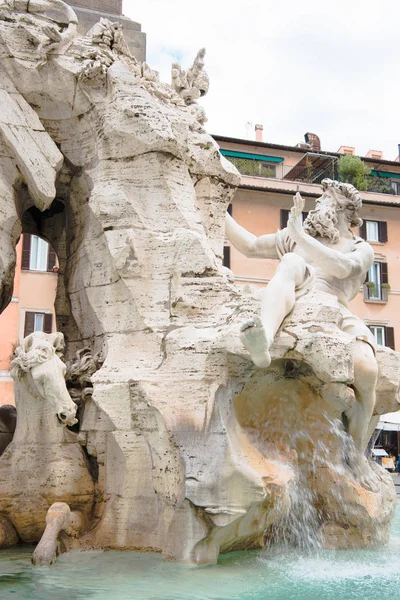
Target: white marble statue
x=45 y=485
x=321 y=254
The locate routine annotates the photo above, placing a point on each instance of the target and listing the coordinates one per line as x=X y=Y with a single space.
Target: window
x=379 y=334
x=376 y=284
x=38 y=321
x=374 y=277
x=285 y=217
x=374 y=231
x=37 y=255
x=384 y=335
x=395 y=186
x=227 y=257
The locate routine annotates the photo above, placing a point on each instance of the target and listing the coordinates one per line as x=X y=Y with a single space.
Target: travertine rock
x=194 y=449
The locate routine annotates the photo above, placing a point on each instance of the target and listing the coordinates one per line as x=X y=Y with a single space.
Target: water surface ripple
x=264 y=575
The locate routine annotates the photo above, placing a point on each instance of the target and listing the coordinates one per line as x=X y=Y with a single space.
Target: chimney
x=347 y=150
x=374 y=154
x=313 y=140
x=259 y=133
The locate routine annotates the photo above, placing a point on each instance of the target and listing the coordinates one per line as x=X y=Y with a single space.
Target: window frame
x=381 y=285
x=51 y=261
x=39 y=254
x=226 y=261
x=374 y=329
x=29 y=321
x=376 y=232
x=388 y=334
x=382 y=231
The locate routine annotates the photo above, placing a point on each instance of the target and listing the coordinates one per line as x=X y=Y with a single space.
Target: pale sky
x=331 y=68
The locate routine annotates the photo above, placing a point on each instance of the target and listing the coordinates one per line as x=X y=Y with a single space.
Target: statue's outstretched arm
x=249 y=244
x=332 y=262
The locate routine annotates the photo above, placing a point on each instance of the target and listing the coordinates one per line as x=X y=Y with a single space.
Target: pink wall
x=32 y=291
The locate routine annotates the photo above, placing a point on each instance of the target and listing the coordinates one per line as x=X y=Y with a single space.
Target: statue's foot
x=57 y=518
x=364 y=474
x=254 y=339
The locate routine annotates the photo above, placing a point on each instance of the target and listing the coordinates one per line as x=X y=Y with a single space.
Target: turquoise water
x=361 y=575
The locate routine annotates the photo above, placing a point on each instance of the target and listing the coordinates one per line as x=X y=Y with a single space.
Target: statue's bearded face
x=322 y=220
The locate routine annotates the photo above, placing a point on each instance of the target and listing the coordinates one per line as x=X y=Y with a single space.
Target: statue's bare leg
x=278 y=300
x=59 y=518
x=360 y=414
x=365 y=378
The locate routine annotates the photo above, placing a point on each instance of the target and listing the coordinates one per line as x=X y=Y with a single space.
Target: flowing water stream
x=265 y=575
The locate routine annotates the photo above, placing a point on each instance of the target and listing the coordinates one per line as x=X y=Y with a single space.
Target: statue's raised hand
x=295 y=223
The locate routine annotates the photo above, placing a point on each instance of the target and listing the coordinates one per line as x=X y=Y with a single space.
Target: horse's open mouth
x=61 y=421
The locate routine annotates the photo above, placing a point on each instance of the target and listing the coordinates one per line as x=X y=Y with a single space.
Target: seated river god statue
x=320 y=254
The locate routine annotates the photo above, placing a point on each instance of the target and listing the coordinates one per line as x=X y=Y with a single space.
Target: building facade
x=32 y=305
x=271 y=175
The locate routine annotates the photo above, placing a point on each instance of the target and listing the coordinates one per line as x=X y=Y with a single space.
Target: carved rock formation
x=197 y=451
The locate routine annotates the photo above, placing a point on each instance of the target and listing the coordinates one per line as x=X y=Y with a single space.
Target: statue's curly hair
x=322 y=220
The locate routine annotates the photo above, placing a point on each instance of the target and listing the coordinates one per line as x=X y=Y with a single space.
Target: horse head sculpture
x=45 y=484
x=40 y=387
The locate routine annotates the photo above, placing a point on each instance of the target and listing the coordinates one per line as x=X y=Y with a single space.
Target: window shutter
x=230 y=209
x=51 y=259
x=382 y=231
x=227 y=257
x=48 y=323
x=389 y=337
x=363 y=230
x=29 y=323
x=284 y=218
x=384 y=273
x=26 y=251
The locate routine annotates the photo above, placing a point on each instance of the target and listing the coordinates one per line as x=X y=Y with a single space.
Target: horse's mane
x=25 y=361
x=79 y=373
x=36 y=348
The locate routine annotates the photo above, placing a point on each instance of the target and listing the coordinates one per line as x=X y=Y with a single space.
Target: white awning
x=390 y=422
x=379 y=452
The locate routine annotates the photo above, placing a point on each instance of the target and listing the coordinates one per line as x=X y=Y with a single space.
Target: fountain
x=202 y=428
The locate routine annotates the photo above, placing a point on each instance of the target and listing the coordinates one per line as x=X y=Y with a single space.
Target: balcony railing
x=383 y=185
x=376 y=293
x=312 y=168
x=255 y=168
x=308 y=174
